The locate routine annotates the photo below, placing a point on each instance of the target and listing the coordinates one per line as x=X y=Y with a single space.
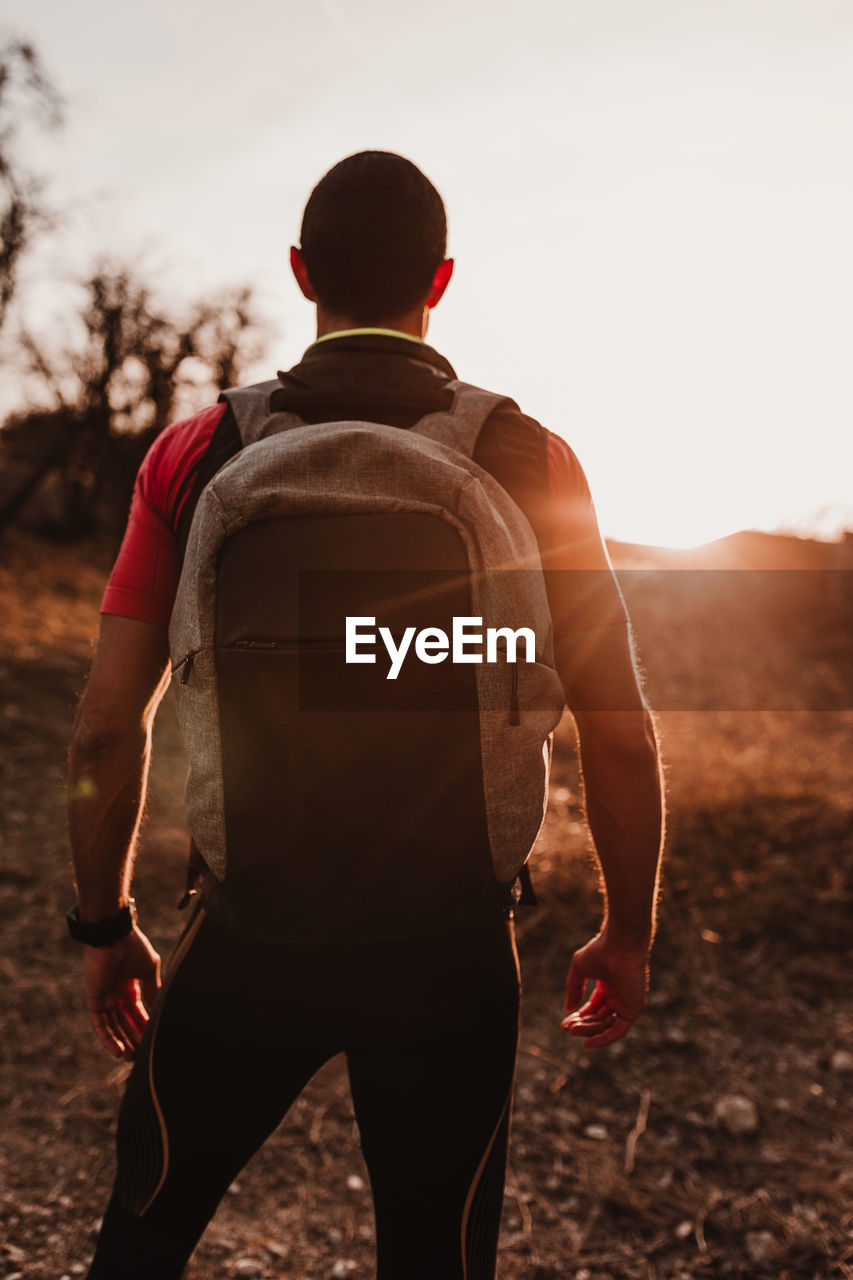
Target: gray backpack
x=329 y=796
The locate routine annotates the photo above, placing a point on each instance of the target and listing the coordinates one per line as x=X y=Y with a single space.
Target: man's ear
x=301 y=272
x=440 y=281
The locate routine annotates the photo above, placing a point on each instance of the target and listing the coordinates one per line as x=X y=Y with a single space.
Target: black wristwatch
x=102 y=933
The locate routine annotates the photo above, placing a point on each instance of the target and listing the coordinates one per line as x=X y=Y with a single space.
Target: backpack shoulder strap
x=244 y=421
x=459 y=427
x=224 y=444
x=251 y=409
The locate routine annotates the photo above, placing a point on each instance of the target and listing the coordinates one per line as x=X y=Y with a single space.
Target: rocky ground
x=714 y=1141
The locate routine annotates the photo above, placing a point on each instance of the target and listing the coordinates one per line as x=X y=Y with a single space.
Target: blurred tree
x=134 y=368
x=24 y=91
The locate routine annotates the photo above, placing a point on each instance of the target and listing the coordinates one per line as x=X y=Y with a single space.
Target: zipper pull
x=195 y=867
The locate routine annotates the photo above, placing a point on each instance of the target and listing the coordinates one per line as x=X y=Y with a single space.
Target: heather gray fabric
x=339 y=467
x=251 y=406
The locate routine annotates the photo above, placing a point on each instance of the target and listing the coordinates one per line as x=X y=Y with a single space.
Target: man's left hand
x=618 y=996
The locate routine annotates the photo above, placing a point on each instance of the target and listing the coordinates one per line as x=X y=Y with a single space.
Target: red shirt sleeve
x=582 y=587
x=144 y=579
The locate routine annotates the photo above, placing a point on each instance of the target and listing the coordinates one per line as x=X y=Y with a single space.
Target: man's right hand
x=618 y=997
x=121 y=985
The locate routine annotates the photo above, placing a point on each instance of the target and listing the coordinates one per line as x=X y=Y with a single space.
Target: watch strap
x=102 y=933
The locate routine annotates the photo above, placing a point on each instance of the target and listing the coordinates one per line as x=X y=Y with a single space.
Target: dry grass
x=619 y=1167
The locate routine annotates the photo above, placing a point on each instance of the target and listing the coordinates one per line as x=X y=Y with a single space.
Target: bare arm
x=624 y=806
x=107 y=777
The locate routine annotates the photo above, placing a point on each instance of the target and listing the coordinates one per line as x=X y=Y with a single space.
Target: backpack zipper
x=292 y=646
x=514 y=709
x=514 y=713
x=185 y=666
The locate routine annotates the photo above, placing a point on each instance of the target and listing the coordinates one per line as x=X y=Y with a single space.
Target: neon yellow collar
x=350 y=333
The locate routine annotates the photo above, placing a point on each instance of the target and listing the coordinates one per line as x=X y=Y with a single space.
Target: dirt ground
x=716 y=1140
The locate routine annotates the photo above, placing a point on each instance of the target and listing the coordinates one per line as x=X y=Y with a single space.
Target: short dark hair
x=373 y=233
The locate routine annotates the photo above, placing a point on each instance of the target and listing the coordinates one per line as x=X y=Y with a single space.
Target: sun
x=632 y=517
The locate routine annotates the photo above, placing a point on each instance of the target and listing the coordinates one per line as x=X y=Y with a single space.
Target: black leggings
x=429 y=1027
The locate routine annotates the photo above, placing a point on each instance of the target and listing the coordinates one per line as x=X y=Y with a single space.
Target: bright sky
x=650 y=204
